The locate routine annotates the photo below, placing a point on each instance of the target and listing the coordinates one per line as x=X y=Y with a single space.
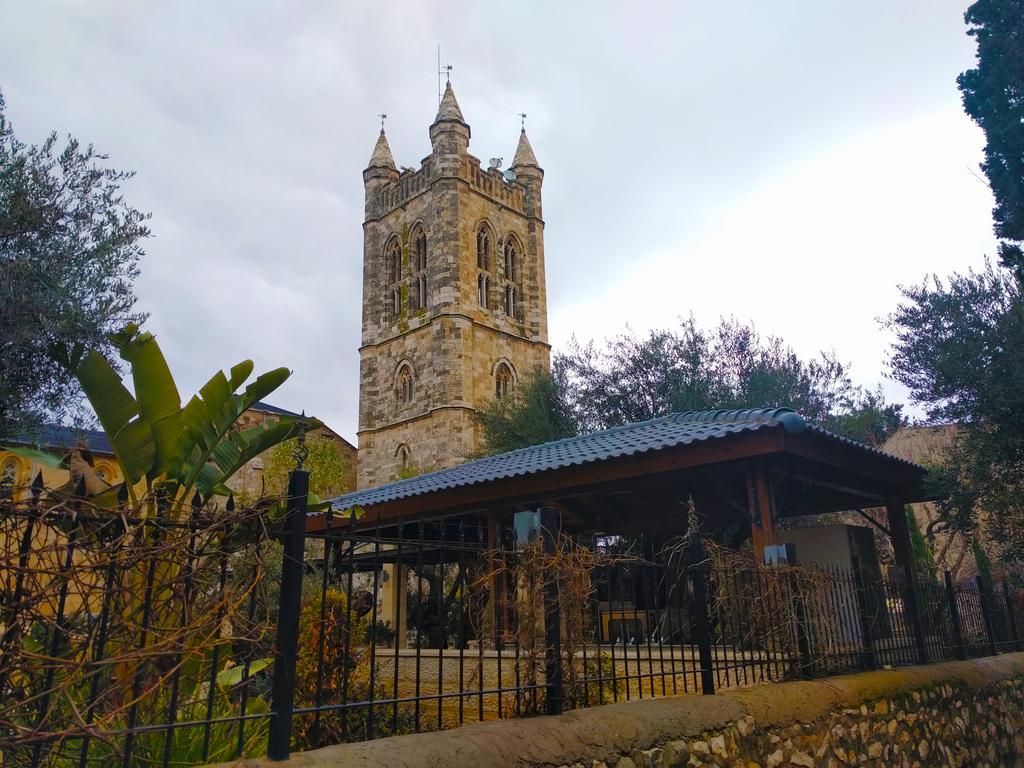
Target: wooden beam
x=762 y=508
x=892 y=473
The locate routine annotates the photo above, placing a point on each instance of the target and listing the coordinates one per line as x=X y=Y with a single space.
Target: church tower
x=454 y=305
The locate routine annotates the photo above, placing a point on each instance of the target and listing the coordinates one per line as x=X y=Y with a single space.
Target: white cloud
x=785 y=162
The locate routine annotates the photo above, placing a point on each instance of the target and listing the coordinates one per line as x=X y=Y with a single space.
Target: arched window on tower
x=511 y=260
x=483 y=264
x=419 y=244
x=404 y=458
x=503 y=381
x=483 y=248
x=511 y=271
x=404 y=385
x=393 y=269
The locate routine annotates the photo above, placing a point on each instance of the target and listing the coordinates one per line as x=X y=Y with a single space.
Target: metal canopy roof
x=673 y=430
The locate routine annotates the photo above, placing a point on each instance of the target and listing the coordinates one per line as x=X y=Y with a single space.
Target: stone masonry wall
x=453 y=344
x=968 y=714
x=942 y=725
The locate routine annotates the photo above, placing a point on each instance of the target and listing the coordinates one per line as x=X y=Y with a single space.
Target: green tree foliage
x=632 y=378
x=635 y=378
x=329 y=472
x=69 y=252
x=919 y=546
x=960 y=341
x=993 y=95
x=960 y=351
x=536 y=412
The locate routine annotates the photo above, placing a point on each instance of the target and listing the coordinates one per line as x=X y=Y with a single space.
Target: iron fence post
x=282 y=690
x=865 y=616
x=552 y=617
x=904 y=553
x=984 y=595
x=954 y=617
x=698 y=568
x=1010 y=617
x=803 y=639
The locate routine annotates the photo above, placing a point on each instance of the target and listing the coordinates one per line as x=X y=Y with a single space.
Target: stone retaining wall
x=954 y=714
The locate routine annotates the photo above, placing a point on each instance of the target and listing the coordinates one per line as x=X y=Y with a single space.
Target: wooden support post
x=762 y=507
x=497 y=565
x=900 y=534
x=393 y=605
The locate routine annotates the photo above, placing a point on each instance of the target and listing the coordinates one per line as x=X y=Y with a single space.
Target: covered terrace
x=743 y=470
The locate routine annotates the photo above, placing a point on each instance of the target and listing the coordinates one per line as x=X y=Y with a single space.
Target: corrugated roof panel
x=669 y=431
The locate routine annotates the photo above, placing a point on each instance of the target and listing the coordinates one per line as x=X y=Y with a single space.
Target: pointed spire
x=381 y=157
x=524 y=152
x=449 y=107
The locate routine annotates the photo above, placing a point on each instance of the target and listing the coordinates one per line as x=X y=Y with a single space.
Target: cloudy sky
x=789 y=163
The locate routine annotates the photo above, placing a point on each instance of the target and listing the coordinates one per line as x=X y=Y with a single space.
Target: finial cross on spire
x=522 y=120
x=383 y=116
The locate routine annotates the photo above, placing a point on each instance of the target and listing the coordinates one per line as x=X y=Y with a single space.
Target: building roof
x=524 y=152
x=448 y=109
x=58 y=437
x=263 y=407
x=382 y=157
x=673 y=430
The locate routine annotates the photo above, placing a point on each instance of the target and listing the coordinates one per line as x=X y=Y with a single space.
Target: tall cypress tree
x=993 y=95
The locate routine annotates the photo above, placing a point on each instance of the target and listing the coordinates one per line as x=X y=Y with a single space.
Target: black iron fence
x=184 y=638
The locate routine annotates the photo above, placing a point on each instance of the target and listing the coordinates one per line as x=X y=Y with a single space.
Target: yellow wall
x=26 y=471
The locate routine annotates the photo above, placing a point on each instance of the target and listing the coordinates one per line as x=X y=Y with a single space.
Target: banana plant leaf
x=236 y=450
x=210 y=417
x=132 y=441
x=157 y=396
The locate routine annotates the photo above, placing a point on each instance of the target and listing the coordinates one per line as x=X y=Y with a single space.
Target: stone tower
x=454 y=305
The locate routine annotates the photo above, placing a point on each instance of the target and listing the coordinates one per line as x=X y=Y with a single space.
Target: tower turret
x=449 y=133
x=379 y=172
x=529 y=174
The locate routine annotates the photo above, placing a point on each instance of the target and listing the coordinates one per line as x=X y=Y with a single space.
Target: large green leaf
x=208 y=479
x=239 y=374
x=220 y=409
x=135 y=449
x=215 y=394
x=244 y=446
x=113 y=403
x=264 y=385
x=132 y=441
x=157 y=396
x=226 y=453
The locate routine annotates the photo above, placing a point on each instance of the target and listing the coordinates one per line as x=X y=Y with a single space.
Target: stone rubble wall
x=943 y=725
x=965 y=713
